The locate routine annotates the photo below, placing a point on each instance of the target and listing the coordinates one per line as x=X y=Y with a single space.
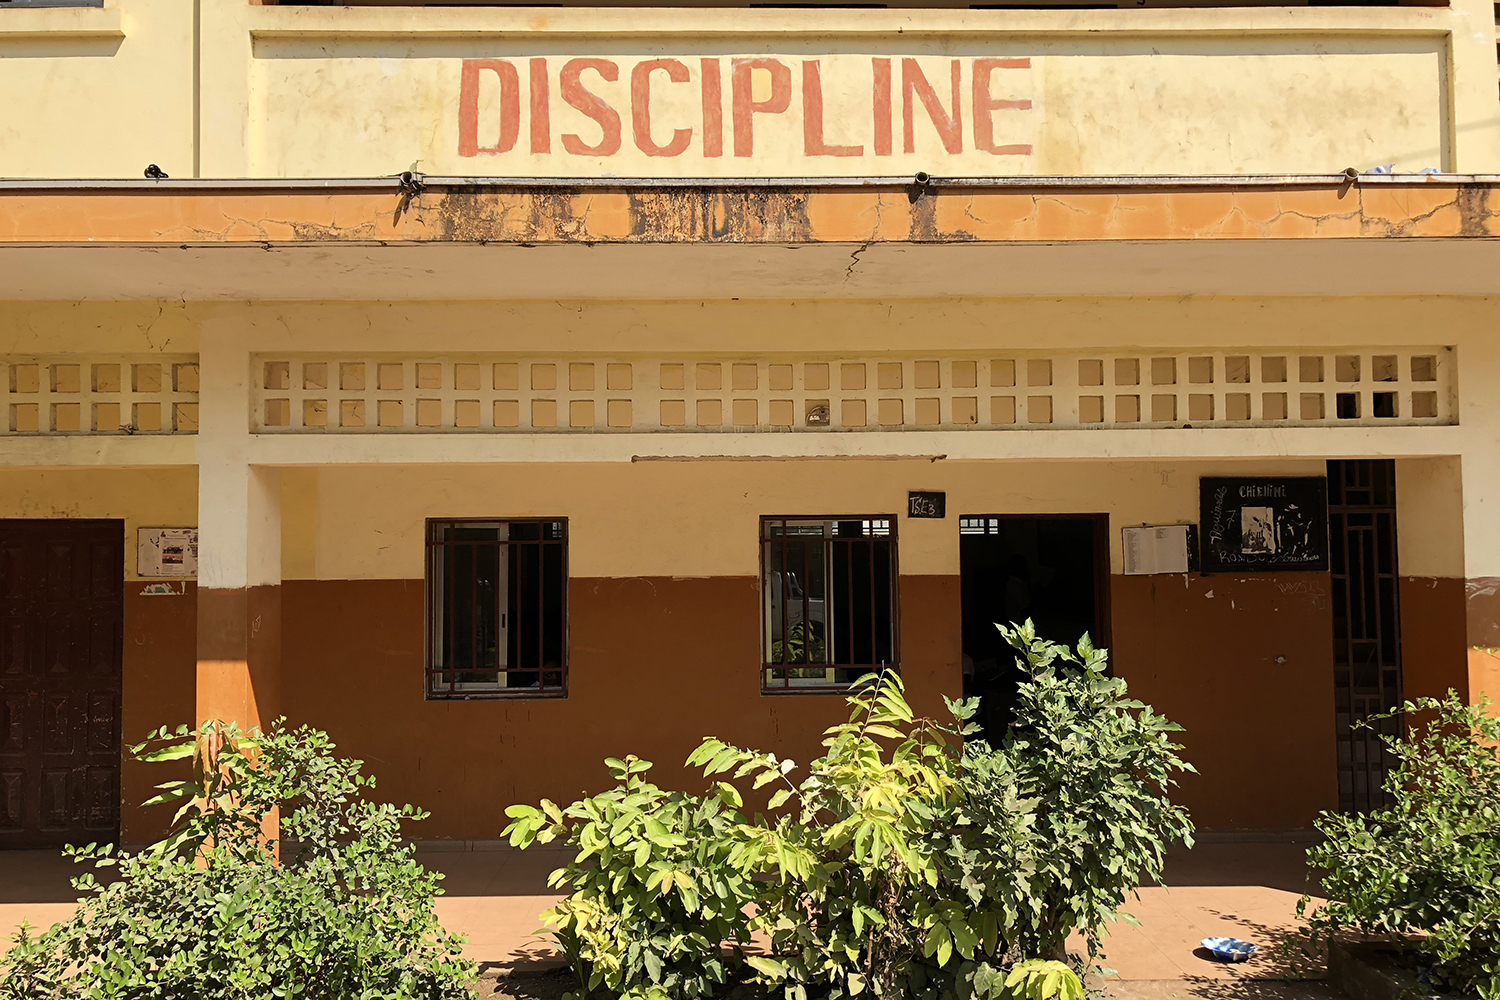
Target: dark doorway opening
x=1053 y=569
x=61 y=621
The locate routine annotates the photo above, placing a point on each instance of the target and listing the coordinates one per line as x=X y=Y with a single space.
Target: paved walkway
x=1247 y=890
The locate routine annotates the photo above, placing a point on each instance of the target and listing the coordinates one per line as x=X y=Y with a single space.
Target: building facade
x=502 y=388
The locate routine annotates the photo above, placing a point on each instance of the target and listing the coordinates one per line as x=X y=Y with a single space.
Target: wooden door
x=61 y=616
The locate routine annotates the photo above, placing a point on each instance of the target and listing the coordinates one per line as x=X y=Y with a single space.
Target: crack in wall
x=854 y=260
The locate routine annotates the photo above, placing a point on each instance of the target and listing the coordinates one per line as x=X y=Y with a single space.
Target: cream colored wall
x=99 y=327
x=1436 y=539
x=761 y=328
x=1429 y=512
x=143 y=498
x=1167 y=105
x=700 y=519
x=668 y=518
x=98 y=92
x=336 y=92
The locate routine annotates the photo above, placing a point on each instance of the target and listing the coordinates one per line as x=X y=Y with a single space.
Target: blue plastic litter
x=1227 y=949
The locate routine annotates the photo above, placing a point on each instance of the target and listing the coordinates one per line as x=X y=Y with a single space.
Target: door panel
x=61 y=620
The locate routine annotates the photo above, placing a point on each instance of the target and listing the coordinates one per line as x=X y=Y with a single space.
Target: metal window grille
x=1366 y=625
x=828 y=600
x=497 y=608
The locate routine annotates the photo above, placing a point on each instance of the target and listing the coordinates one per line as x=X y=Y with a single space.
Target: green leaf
x=730 y=795
x=768 y=967
x=180 y=751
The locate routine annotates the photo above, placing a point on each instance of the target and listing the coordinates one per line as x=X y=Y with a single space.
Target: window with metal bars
x=497 y=608
x=828 y=597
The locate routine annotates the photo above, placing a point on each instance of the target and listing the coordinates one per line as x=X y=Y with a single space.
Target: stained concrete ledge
x=1369 y=971
x=791 y=214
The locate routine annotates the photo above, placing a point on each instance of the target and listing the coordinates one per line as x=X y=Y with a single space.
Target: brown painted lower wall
x=656 y=664
x=1204 y=651
x=159 y=689
x=1434 y=653
x=239 y=654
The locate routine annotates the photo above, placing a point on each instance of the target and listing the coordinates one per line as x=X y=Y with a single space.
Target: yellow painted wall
x=701 y=519
x=759 y=328
x=370 y=91
x=142 y=498
x=1159 y=106
x=107 y=90
x=104 y=328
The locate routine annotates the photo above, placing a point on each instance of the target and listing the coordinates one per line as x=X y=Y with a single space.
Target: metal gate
x=1366 y=623
x=61 y=615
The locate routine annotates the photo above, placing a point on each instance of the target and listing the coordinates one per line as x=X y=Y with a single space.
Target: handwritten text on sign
x=760 y=107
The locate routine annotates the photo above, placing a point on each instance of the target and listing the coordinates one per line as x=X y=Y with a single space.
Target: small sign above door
x=925 y=504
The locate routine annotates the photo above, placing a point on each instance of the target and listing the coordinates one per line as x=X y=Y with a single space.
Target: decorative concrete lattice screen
x=154 y=394
x=1019 y=391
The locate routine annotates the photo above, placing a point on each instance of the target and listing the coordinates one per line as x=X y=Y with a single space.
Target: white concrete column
x=239 y=543
x=1479 y=359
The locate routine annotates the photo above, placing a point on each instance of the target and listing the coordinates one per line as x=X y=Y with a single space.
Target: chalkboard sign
x=1263 y=524
x=934 y=505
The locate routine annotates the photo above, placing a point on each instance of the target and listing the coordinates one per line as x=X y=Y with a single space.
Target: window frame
x=767 y=686
x=432 y=551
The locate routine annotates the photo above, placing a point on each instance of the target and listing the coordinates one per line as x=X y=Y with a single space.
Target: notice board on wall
x=1156 y=549
x=167 y=552
x=1263 y=524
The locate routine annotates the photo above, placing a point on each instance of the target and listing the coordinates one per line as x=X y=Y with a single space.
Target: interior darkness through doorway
x=1052 y=570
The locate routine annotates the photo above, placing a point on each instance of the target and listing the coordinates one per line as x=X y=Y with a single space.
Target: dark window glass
x=828 y=600
x=497 y=608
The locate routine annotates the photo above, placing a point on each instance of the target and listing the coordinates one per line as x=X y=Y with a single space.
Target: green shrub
x=1428 y=864
x=901 y=864
x=652 y=894
x=856 y=848
x=212 y=912
x=1071 y=810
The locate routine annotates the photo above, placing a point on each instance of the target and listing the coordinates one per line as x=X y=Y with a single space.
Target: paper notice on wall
x=1156 y=549
x=167 y=552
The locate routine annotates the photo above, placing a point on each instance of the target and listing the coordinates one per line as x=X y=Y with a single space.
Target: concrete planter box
x=1370 y=971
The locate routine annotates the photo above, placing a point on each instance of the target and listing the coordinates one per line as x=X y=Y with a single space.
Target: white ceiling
x=725 y=271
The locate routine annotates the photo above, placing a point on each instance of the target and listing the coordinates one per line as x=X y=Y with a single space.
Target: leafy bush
x=1429 y=863
x=903 y=863
x=652 y=891
x=212 y=911
x=1072 y=810
x=856 y=848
